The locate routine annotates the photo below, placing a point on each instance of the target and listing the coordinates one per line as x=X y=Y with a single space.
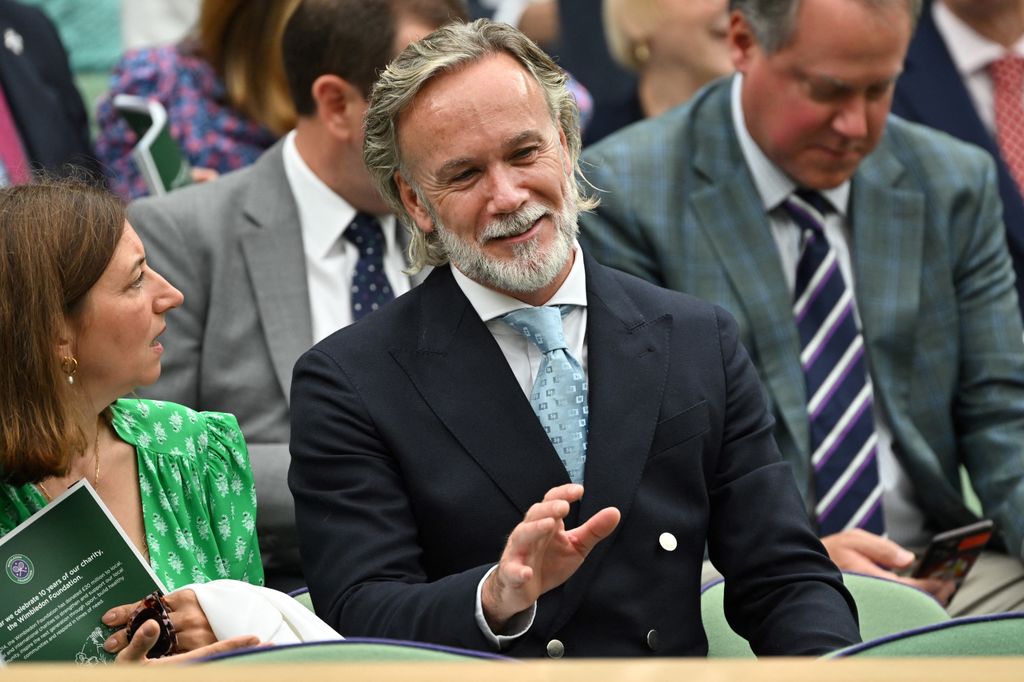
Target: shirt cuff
x=517 y=626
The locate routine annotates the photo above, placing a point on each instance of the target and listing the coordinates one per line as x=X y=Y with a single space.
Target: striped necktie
x=843 y=440
x=559 y=393
x=370 y=287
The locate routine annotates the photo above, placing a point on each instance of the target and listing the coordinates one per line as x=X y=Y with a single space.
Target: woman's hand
x=190 y=625
x=146 y=636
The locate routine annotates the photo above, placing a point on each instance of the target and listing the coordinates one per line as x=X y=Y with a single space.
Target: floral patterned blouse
x=198 y=495
x=210 y=132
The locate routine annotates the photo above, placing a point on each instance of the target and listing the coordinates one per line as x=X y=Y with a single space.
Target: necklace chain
x=96 y=468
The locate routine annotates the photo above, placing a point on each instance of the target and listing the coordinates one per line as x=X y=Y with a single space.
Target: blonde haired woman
x=674 y=46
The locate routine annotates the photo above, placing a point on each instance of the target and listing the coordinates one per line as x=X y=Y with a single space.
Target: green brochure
x=63 y=569
x=157 y=155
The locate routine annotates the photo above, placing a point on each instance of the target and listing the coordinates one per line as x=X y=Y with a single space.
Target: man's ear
x=742 y=41
x=413 y=204
x=340 y=106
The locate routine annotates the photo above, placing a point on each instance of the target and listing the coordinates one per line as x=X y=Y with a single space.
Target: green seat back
x=996 y=635
x=884 y=607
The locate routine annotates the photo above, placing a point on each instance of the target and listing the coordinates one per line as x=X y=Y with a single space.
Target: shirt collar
x=772 y=184
x=490 y=304
x=971 y=52
x=323 y=213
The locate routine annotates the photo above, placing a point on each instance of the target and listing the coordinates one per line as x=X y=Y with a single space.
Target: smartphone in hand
x=952 y=554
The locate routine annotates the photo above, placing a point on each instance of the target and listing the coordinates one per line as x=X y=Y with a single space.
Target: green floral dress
x=198 y=495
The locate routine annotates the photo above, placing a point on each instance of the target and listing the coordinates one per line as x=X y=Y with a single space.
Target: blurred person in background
x=43 y=123
x=224 y=89
x=674 y=46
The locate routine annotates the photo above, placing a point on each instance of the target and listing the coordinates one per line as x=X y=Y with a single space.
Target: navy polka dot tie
x=559 y=393
x=370 y=288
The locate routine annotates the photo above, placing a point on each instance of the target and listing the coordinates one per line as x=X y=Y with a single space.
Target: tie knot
x=1007 y=71
x=542 y=326
x=808 y=209
x=366 y=234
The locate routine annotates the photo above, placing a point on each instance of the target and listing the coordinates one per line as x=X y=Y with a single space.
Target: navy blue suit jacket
x=40 y=90
x=415 y=453
x=931 y=92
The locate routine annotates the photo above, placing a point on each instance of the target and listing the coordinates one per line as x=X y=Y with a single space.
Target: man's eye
x=462 y=176
x=525 y=153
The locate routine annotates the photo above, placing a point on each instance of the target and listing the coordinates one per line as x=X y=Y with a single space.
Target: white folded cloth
x=236 y=608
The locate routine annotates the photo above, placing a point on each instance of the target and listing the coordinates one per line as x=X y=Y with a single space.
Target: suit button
x=652 y=640
x=555 y=649
x=668 y=542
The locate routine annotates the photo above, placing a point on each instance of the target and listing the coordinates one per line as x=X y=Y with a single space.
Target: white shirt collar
x=771 y=182
x=490 y=304
x=323 y=213
x=971 y=51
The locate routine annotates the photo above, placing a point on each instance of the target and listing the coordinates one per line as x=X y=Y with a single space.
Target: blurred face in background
x=692 y=33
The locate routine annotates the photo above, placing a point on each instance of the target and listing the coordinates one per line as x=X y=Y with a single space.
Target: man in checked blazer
x=259 y=253
x=691 y=203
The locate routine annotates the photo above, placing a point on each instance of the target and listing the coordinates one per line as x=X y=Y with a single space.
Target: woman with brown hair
x=223 y=87
x=80 y=318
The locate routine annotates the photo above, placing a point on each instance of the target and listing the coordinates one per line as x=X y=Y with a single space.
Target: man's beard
x=532 y=267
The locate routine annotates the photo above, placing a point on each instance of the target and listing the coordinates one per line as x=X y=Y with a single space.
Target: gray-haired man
x=423 y=447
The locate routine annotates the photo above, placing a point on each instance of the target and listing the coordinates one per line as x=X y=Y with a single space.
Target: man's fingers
x=555 y=509
x=570 y=492
x=842 y=548
x=942 y=590
x=597 y=528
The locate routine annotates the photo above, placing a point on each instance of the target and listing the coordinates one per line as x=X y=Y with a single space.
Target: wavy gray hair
x=447 y=49
x=772 y=21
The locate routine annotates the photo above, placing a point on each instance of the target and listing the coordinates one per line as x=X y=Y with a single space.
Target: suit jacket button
x=668 y=542
x=652 y=640
x=555 y=649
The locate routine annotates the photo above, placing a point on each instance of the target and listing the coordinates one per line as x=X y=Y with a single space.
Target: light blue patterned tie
x=559 y=394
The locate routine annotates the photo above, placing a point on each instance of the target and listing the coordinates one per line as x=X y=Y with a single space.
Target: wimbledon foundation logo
x=20 y=569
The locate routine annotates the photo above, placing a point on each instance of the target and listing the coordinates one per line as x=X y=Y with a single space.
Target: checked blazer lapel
x=887 y=232
x=462 y=374
x=728 y=208
x=277 y=266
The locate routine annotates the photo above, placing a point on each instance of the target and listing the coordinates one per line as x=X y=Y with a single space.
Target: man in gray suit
x=881 y=313
x=274 y=257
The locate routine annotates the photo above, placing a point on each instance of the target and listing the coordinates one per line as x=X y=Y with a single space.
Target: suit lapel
x=627 y=365
x=887 y=226
x=729 y=210
x=277 y=265
x=462 y=374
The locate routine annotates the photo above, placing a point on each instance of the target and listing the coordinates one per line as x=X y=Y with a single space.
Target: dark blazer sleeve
x=782 y=593
x=41 y=92
x=351 y=503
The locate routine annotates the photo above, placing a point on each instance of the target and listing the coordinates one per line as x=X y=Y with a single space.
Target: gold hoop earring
x=69 y=365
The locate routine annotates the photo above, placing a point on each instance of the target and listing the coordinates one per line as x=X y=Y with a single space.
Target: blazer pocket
x=690 y=423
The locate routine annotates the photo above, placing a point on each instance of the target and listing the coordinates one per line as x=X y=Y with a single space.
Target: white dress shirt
x=972 y=53
x=524 y=359
x=904 y=521
x=330 y=258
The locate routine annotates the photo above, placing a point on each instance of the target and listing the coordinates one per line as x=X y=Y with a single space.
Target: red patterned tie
x=1008 y=83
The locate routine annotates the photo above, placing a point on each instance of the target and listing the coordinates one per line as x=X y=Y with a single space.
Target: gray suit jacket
x=934 y=289
x=234 y=248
